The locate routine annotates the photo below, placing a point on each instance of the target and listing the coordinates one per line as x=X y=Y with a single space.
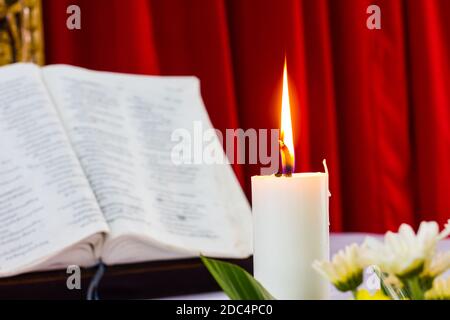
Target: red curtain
x=374 y=103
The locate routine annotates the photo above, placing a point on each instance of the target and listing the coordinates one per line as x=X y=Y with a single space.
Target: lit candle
x=291 y=228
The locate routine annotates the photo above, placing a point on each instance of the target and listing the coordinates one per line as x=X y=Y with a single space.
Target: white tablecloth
x=337 y=242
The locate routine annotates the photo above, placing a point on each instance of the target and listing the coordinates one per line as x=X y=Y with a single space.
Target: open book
x=86 y=173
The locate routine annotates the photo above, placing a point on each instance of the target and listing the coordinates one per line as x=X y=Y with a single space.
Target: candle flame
x=286 y=135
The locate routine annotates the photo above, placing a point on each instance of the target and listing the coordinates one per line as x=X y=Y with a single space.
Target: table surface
x=337 y=242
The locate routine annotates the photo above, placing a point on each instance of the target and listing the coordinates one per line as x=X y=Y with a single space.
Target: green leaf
x=237 y=283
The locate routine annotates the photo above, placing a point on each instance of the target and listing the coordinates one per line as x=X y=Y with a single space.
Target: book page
x=120 y=127
x=46 y=204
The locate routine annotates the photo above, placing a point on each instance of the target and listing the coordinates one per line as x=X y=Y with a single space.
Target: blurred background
x=374 y=103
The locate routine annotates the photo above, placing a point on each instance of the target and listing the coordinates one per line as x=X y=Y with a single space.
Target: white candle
x=290 y=214
x=291 y=230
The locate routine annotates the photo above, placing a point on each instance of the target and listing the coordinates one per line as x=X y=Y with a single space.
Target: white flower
x=440 y=290
x=403 y=253
x=345 y=270
x=437 y=265
x=446 y=232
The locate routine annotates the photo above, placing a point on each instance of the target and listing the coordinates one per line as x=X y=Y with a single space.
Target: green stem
x=414 y=288
x=354 y=292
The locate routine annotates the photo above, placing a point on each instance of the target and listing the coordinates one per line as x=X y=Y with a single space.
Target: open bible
x=86 y=173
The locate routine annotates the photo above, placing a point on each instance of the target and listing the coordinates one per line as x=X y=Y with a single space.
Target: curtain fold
x=114 y=36
x=374 y=103
x=429 y=70
x=323 y=116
